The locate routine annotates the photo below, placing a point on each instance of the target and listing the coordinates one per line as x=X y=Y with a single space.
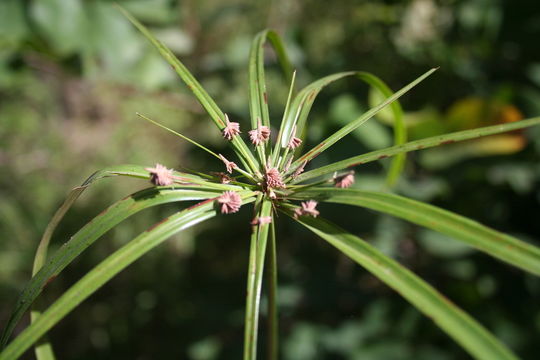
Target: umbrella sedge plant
x=271 y=178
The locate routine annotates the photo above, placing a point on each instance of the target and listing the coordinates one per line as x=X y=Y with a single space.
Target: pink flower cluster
x=263 y=220
x=259 y=135
x=308 y=208
x=230 y=202
x=231 y=129
x=228 y=164
x=344 y=181
x=273 y=178
x=160 y=175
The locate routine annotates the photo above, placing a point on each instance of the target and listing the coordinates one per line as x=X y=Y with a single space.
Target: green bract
x=272 y=178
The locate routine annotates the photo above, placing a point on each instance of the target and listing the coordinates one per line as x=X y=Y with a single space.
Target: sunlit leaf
x=417 y=145
x=106 y=270
x=494 y=243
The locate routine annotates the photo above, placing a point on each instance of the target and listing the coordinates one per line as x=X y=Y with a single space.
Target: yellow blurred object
x=473 y=112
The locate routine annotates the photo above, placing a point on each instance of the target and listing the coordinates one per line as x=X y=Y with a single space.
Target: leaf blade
x=87 y=236
x=258 y=96
x=218 y=117
x=499 y=245
x=400 y=131
x=258 y=246
x=417 y=145
x=332 y=139
x=107 y=269
x=455 y=322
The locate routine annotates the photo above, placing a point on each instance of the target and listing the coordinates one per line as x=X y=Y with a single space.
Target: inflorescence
x=273 y=178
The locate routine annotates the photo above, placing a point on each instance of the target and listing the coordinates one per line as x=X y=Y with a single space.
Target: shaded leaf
x=455 y=322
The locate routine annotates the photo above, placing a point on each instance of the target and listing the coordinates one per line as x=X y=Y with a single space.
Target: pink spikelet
x=263 y=220
x=228 y=164
x=273 y=178
x=230 y=202
x=344 y=181
x=299 y=170
x=294 y=142
x=308 y=208
x=231 y=129
x=160 y=175
x=259 y=135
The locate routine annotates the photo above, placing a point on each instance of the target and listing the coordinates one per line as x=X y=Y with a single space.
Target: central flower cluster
x=276 y=173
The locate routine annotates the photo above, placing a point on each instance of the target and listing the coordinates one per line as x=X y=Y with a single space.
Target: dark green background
x=73 y=74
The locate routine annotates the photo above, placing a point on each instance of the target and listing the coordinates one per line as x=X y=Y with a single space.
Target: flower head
x=273 y=178
x=260 y=134
x=308 y=208
x=228 y=164
x=231 y=129
x=160 y=175
x=294 y=142
x=230 y=202
x=263 y=220
x=344 y=181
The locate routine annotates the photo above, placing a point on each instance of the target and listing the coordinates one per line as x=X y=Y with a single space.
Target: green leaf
x=258 y=97
x=204 y=98
x=338 y=135
x=136 y=171
x=301 y=105
x=455 y=322
x=417 y=145
x=87 y=236
x=494 y=243
x=400 y=131
x=259 y=237
x=107 y=269
x=258 y=104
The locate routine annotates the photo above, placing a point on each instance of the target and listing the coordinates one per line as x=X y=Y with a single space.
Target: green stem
x=273 y=324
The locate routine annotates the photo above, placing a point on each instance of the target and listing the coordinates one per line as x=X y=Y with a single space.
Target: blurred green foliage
x=73 y=74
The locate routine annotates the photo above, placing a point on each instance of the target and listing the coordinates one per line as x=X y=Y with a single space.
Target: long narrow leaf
x=332 y=139
x=400 y=131
x=85 y=237
x=455 y=322
x=494 y=243
x=258 y=97
x=43 y=349
x=258 y=103
x=202 y=96
x=296 y=117
x=106 y=270
x=259 y=239
x=136 y=171
x=301 y=105
x=417 y=145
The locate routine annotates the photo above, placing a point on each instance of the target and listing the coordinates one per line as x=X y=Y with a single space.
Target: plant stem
x=273 y=325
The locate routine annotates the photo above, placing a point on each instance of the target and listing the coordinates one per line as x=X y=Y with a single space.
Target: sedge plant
x=271 y=179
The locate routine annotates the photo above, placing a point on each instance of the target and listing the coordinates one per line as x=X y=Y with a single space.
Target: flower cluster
x=160 y=175
x=230 y=202
x=272 y=179
x=344 y=181
x=259 y=135
x=231 y=129
x=307 y=208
